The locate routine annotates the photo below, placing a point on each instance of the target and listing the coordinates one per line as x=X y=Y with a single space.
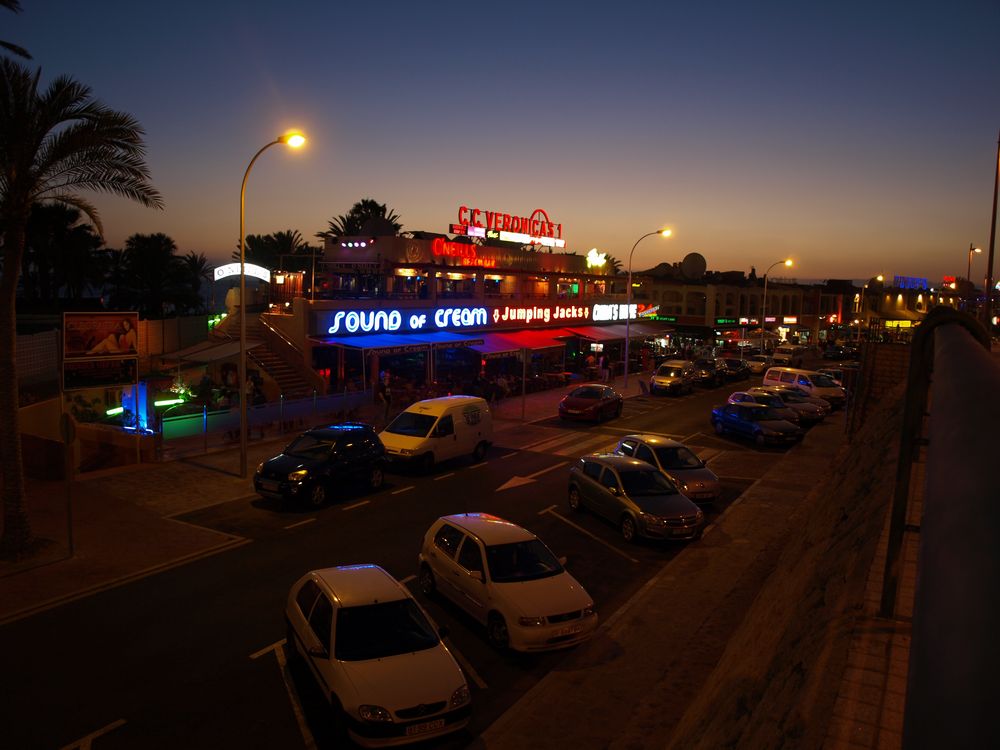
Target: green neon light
x=169 y=402
x=114 y=412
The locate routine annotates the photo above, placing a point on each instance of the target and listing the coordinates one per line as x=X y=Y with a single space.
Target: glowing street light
x=972 y=249
x=294 y=140
x=763 y=311
x=628 y=292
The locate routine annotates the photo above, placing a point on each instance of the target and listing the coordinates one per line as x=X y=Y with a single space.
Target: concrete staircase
x=290 y=383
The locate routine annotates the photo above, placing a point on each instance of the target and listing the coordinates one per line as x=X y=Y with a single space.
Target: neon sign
x=596 y=259
x=534 y=229
x=602 y=312
x=390 y=321
x=233 y=269
x=466 y=254
x=539 y=313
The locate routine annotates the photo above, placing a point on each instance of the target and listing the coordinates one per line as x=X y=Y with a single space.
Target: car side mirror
x=476 y=575
x=318 y=651
x=563 y=560
x=613 y=490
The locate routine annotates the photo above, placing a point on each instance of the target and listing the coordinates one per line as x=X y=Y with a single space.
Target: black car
x=735 y=369
x=709 y=371
x=319 y=463
x=755 y=421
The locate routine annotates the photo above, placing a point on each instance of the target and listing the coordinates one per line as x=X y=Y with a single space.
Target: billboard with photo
x=110 y=372
x=89 y=334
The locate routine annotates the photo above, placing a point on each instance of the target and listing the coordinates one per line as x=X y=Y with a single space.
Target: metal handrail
x=954 y=659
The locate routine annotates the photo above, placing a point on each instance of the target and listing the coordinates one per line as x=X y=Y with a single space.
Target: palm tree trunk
x=17 y=538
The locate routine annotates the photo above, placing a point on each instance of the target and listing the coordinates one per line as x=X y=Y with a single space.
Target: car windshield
x=677 y=458
x=768 y=399
x=669 y=372
x=705 y=364
x=411 y=423
x=646 y=482
x=823 y=381
x=309 y=446
x=585 y=392
x=521 y=561
x=375 y=631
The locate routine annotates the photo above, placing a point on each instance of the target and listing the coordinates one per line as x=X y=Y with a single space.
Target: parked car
x=810 y=409
x=438 y=429
x=673 y=376
x=758 y=363
x=321 y=462
x=814 y=383
x=375 y=656
x=808 y=414
x=768 y=399
x=755 y=421
x=735 y=369
x=794 y=393
x=677 y=461
x=708 y=371
x=507 y=579
x=592 y=402
x=635 y=496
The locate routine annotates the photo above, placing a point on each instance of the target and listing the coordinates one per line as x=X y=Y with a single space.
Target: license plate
x=269 y=484
x=570 y=630
x=425 y=726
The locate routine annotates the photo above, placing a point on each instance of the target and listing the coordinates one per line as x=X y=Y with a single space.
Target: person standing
x=605 y=368
x=384 y=394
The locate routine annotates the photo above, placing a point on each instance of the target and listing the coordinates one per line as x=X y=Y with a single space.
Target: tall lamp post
x=763 y=307
x=972 y=249
x=628 y=293
x=295 y=140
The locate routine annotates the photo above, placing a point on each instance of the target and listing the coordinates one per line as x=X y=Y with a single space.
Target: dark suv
x=709 y=371
x=320 y=462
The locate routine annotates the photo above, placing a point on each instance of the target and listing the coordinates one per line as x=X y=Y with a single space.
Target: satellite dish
x=693 y=266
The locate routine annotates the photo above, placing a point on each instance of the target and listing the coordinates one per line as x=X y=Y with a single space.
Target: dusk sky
x=856 y=137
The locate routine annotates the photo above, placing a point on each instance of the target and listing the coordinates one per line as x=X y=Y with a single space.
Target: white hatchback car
x=376 y=656
x=506 y=578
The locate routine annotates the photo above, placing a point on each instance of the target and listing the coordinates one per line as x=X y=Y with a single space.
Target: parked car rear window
x=586 y=392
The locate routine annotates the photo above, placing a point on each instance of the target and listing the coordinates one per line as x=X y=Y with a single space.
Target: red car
x=593 y=402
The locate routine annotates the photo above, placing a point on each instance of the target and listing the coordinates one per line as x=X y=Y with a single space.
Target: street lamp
x=295 y=140
x=628 y=293
x=763 y=309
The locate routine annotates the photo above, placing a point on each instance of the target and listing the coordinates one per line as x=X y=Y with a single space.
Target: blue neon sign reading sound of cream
x=382 y=321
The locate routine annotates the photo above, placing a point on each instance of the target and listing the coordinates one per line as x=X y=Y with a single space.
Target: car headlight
x=699 y=516
x=405 y=452
x=374 y=713
x=683 y=485
x=529 y=622
x=260 y=468
x=589 y=610
x=769 y=433
x=460 y=697
x=298 y=476
x=651 y=520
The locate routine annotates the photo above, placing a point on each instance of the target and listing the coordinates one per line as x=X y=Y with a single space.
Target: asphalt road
x=193 y=656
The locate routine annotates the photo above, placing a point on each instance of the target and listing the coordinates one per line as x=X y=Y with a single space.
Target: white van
x=812 y=382
x=789 y=354
x=437 y=429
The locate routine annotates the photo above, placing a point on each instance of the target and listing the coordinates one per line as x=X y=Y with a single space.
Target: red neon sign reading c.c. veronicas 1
x=538 y=224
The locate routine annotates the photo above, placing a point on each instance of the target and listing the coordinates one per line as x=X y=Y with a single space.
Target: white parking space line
x=444 y=476
x=545 y=471
x=476 y=466
x=84 y=742
x=299 y=523
x=466 y=666
x=513 y=452
x=356 y=505
x=309 y=742
x=545 y=445
x=587 y=446
x=735 y=479
x=404 y=489
x=406 y=580
x=584 y=531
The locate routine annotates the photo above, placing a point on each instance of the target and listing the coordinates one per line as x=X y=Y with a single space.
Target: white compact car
x=506 y=578
x=376 y=656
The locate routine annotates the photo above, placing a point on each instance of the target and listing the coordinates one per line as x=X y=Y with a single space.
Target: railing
x=193 y=433
x=285 y=348
x=954 y=657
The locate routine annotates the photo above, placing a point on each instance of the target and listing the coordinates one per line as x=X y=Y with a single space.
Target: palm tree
x=366 y=217
x=15 y=6
x=53 y=144
x=58 y=252
x=194 y=269
x=151 y=271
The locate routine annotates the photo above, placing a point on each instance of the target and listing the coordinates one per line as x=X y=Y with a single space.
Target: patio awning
x=514 y=341
x=393 y=343
x=614 y=332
